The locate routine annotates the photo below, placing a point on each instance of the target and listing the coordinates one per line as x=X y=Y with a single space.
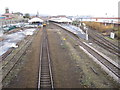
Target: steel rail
x=45 y=79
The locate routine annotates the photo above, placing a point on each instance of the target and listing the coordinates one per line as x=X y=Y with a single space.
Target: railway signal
x=86 y=29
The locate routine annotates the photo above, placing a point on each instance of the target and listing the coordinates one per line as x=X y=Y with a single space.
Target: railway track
x=111 y=68
x=12 y=60
x=98 y=39
x=45 y=73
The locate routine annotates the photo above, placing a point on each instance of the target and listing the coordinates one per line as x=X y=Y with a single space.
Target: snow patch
x=76 y=30
x=11 y=40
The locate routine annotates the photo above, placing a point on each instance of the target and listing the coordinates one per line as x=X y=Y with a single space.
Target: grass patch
x=99 y=26
x=105 y=29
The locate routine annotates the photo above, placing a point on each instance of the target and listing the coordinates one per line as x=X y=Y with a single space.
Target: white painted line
x=110 y=60
x=102 y=66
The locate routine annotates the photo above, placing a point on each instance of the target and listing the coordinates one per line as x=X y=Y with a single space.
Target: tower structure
x=6 y=10
x=37 y=15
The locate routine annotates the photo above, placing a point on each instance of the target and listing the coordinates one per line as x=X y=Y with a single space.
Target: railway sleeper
x=45 y=80
x=45 y=69
x=45 y=77
x=45 y=73
x=45 y=66
x=46 y=86
x=45 y=58
x=45 y=83
x=45 y=62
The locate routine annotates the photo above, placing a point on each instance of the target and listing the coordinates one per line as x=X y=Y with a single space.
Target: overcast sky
x=62 y=7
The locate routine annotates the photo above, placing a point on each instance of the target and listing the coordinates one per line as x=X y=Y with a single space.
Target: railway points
x=115 y=73
x=78 y=49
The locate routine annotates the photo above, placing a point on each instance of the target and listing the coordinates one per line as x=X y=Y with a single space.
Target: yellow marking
x=64 y=38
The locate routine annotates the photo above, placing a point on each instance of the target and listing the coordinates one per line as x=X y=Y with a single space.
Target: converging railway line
x=9 y=62
x=56 y=58
x=98 y=39
x=111 y=68
x=45 y=73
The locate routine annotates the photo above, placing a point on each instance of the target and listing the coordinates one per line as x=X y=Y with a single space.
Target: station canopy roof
x=65 y=20
x=61 y=19
x=35 y=20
